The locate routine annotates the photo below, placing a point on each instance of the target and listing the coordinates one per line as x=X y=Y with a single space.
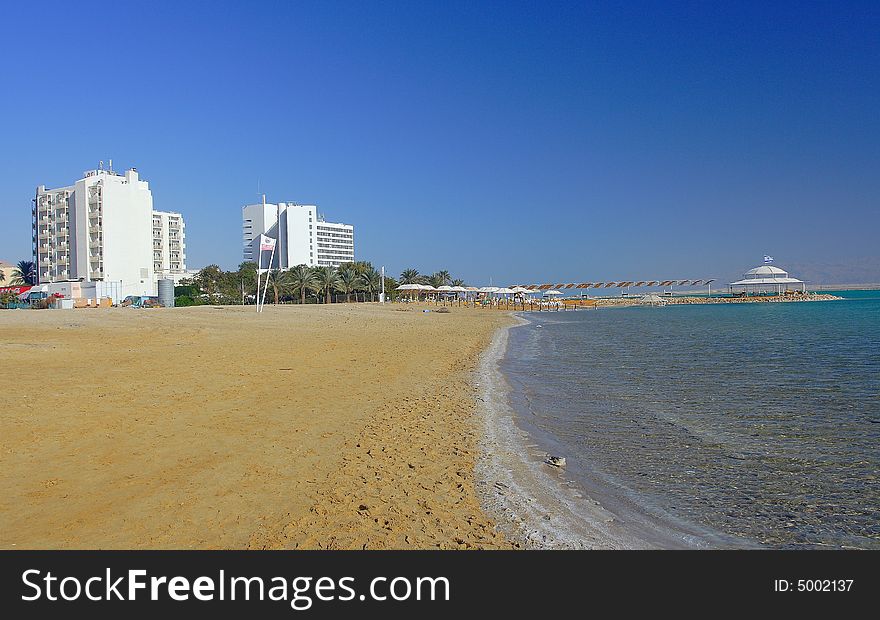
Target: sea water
x=759 y=422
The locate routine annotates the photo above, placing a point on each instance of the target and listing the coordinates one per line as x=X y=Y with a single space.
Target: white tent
x=551 y=293
x=767 y=279
x=652 y=300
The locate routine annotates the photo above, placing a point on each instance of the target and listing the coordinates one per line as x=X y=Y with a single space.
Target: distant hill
x=863 y=270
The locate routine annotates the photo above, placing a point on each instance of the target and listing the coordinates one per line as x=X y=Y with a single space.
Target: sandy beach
x=341 y=426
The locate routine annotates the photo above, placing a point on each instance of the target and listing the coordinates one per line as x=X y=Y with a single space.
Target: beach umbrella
x=445 y=287
x=409 y=287
x=551 y=293
x=487 y=289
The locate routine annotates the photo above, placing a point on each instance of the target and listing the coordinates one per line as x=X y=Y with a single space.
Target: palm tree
x=409 y=276
x=444 y=275
x=436 y=279
x=301 y=279
x=2 y=276
x=25 y=273
x=326 y=280
x=348 y=280
x=278 y=282
x=458 y=282
x=362 y=266
x=372 y=282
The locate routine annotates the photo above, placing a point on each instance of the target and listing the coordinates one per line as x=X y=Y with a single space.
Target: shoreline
x=535 y=504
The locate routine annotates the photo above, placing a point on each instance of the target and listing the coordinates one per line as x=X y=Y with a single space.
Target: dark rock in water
x=555 y=461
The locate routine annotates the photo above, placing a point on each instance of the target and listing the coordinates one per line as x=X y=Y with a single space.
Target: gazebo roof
x=766 y=271
x=766 y=275
x=765 y=281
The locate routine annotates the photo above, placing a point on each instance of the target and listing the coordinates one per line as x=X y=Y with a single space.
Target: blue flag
x=768 y=259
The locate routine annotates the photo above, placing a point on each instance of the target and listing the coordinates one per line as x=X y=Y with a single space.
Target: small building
x=7 y=269
x=766 y=279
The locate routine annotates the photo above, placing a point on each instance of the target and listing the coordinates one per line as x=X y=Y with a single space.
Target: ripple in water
x=759 y=421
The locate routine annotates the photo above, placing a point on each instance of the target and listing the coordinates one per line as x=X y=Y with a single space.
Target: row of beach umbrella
x=490 y=290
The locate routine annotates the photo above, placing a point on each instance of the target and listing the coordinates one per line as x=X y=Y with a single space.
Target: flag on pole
x=767 y=259
x=266 y=243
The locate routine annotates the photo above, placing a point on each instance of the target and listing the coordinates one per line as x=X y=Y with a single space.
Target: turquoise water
x=759 y=422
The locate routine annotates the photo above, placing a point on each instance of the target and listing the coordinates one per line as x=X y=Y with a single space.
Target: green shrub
x=182 y=301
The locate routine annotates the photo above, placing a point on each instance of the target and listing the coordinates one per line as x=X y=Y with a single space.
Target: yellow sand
x=340 y=426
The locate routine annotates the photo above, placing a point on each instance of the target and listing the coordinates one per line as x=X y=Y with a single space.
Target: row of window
x=343 y=248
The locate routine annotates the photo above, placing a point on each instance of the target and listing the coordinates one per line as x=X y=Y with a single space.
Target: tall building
x=303 y=236
x=169 y=245
x=99 y=229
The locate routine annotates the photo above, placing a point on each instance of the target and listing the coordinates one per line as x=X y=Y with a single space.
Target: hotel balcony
x=96 y=275
x=94 y=229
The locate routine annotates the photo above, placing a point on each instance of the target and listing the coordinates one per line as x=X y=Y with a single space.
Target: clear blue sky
x=520 y=141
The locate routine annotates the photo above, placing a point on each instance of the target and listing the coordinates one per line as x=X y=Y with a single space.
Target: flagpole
x=268 y=271
x=259 y=266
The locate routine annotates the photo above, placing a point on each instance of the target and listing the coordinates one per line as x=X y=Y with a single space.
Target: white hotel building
x=303 y=236
x=101 y=229
x=169 y=247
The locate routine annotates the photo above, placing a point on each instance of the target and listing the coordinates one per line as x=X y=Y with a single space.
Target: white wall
x=128 y=237
x=299 y=243
x=256 y=220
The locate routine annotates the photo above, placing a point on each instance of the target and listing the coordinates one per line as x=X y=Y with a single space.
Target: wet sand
x=340 y=426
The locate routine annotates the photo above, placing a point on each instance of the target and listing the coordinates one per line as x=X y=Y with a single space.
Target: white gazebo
x=767 y=279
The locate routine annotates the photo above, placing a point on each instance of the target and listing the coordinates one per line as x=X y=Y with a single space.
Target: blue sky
x=521 y=142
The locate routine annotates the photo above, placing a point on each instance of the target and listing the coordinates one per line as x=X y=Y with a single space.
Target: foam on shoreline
x=533 y=503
